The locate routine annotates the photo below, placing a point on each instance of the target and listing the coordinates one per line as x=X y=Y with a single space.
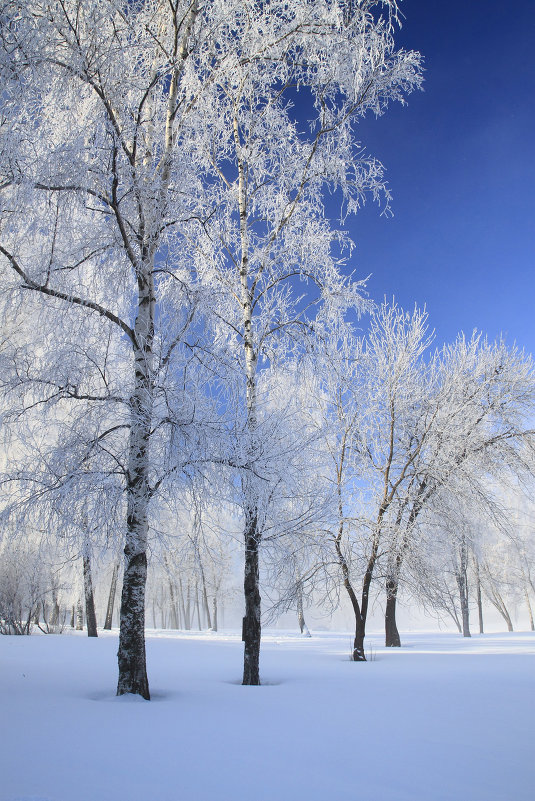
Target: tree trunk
x=252 y=629
x=303 y=628
x=496 y=599
x=173 y=609
x=111 y=597
x=79 y=615
x=530 y=610
x=205 y=597
x=358 y=654
x=478 y=596
x=462 y=583
x=392 y=638
x=214 y=613
x=185 y=615
x=131 y=654
x=90 y=616
x=54 y=619
x=198 y=606
x=188 y=607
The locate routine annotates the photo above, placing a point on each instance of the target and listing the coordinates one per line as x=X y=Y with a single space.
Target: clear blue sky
x=460 y=161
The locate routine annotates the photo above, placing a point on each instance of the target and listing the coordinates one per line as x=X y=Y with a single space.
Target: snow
x=440 y=719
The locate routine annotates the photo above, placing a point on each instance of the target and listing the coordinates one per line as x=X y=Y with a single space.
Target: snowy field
x=441 y=719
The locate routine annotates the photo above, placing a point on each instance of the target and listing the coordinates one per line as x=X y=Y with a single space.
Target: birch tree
x=90 y=119
x=150 y=149
x=278 y=268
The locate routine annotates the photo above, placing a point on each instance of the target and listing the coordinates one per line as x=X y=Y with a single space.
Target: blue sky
x=461 y=166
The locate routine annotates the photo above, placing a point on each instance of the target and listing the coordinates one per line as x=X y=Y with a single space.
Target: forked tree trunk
x=504 y=612
x=90 y=616
x=358 y=654
x=111 y=597
x=392 y=638
x=496 y=599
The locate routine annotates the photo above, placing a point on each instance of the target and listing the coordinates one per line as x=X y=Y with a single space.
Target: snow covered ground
x=442 y=719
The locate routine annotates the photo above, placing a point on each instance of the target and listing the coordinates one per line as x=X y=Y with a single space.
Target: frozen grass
x=441 y=719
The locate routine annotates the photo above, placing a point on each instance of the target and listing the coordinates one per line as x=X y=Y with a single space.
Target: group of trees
x=175 y=348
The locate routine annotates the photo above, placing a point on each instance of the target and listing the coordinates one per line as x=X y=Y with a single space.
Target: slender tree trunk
x=54 y=620
x=462 y=583
x=214 y=613
x=90 y=616
x=303 y=628
x=392 y=638
x=358 y=654
x=188 y=607
x=79 y=615
x=251 y=629
x=530 y=610
x=504 y=612
x=111 y=597
x=198 y=606
x=526 y=596
x=172 y=608
x=478 y=595
x=206 y=605
x=185 y=617
x=496 y=599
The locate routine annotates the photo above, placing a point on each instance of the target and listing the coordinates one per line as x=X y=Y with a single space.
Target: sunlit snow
x=440 y=719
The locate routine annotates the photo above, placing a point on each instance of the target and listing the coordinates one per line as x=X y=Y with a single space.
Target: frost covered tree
x=412 y=435
x=480 y=432
x=89 y=117
x=277 y=269
x=367 y=399
x=151 y=148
